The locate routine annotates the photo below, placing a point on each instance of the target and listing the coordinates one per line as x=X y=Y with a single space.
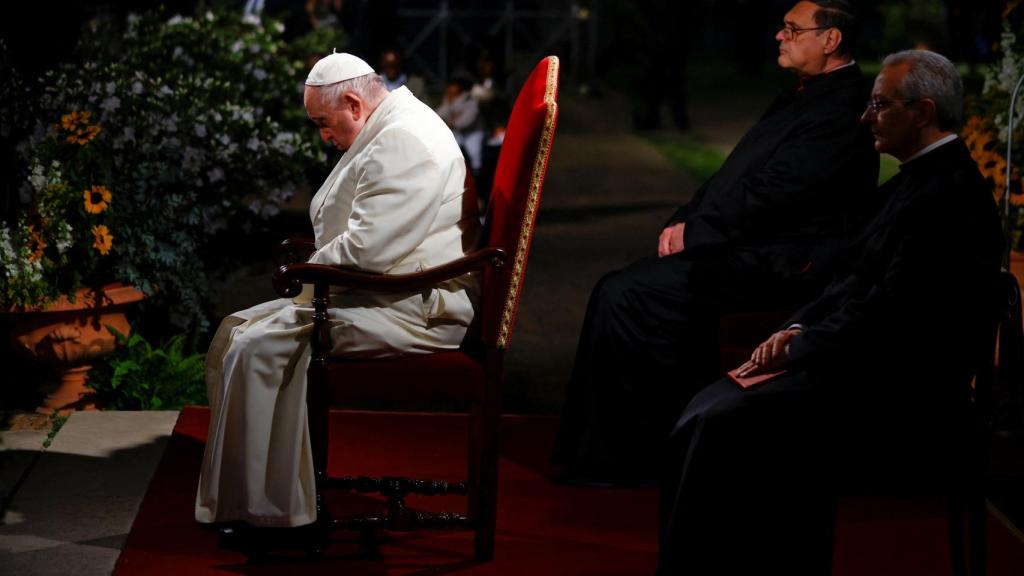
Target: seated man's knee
x=617 y=290
x=723 y=398
x=245 y=343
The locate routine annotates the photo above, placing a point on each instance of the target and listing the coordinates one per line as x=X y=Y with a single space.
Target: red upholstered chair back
x=516 y=195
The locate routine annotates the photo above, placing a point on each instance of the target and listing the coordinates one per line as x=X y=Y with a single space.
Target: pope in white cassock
x=393 y=204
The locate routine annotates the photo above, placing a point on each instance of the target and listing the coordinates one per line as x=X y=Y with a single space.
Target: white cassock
x=394 y=203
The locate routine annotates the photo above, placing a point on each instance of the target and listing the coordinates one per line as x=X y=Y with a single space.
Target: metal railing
x=1007 y=227
x=524 y=34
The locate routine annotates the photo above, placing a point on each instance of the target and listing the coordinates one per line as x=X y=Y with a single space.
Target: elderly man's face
x=800 y=48
x=895 y=121
x=338 y=122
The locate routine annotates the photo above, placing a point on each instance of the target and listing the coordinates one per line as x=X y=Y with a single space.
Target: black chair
x=960 y=478
x=1001 y=359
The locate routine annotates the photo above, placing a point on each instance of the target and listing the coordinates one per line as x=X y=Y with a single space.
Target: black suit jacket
x=798 y=185
x=921 y=292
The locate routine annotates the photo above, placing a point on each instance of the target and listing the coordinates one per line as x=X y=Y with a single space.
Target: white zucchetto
x=337 y=67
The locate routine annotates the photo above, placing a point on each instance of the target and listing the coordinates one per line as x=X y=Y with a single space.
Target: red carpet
x=543 y=529
x=903 y=537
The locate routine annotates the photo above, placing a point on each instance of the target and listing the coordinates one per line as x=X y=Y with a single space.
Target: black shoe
x=230 y=537
x=590 y=480
x=257 y=542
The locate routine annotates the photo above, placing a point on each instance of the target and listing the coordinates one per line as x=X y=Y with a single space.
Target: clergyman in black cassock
x=877 y=369
x=763 y=232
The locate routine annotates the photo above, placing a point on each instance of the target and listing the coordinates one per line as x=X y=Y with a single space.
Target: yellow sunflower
x=1011 y=5
x=77 y=124
x=70 y=121
x=90 y=133
x=984 y=148
x=36 y=243
x=97 y=199
x=103 y=239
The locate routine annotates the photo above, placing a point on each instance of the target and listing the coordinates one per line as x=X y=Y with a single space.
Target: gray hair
x=368 y=87
x=842 y=15
x=932 y=76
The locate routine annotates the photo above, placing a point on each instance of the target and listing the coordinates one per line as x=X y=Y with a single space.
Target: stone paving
x=69 y=507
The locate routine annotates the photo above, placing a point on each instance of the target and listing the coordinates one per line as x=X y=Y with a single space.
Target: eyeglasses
x=789 y=32
x=876 y=106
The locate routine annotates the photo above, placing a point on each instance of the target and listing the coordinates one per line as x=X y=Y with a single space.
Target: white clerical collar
x=931 y=147
x=847 y=65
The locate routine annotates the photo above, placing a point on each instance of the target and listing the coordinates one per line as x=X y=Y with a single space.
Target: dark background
x=655 y=52
x=600 y=42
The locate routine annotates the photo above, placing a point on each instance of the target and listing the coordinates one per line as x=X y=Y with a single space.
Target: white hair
x=369 y=87
x=932 y=76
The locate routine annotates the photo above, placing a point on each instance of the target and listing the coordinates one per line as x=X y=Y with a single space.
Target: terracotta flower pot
x=68 y=336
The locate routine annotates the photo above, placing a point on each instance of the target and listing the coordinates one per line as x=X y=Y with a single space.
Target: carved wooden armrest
x=289 y=278
x=293 y=250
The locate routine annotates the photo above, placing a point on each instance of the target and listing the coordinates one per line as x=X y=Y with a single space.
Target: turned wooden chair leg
x=976 y=526
x=490 y=424
x=957 y=545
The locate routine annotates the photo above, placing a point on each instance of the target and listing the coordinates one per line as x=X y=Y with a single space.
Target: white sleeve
x=398 y=195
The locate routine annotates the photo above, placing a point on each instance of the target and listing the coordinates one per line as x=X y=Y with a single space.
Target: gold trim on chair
x=539 y=165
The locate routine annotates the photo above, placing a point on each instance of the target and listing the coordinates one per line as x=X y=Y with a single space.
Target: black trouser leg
x=648 y=342
x=751 y=491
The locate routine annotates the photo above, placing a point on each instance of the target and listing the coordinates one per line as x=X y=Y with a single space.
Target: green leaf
x=144 y=376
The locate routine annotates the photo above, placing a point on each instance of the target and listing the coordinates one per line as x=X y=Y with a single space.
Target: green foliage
x=140 y=376
x=62 y=239
x=910 y=23
x=316 y=44
x=887 y=168
x=57 y=421
x=692 y=156
x=193 y=126
x=701 y=160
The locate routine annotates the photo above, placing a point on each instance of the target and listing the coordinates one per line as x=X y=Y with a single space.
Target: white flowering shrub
x=195 y=127
x=986 y=134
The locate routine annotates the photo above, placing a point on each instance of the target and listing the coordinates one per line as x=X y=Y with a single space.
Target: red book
x=753 y=380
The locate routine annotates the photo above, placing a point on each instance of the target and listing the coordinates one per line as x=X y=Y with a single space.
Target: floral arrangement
x=985 y=131
x=64 y=240
x=161 y=136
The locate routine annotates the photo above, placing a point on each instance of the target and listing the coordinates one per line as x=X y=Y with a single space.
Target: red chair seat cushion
x=451 y=375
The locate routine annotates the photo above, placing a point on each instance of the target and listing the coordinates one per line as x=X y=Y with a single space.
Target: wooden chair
x=474 y=373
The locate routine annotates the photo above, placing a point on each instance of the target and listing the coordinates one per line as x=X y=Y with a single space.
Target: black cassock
x=765 y=230
x=873 y=397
